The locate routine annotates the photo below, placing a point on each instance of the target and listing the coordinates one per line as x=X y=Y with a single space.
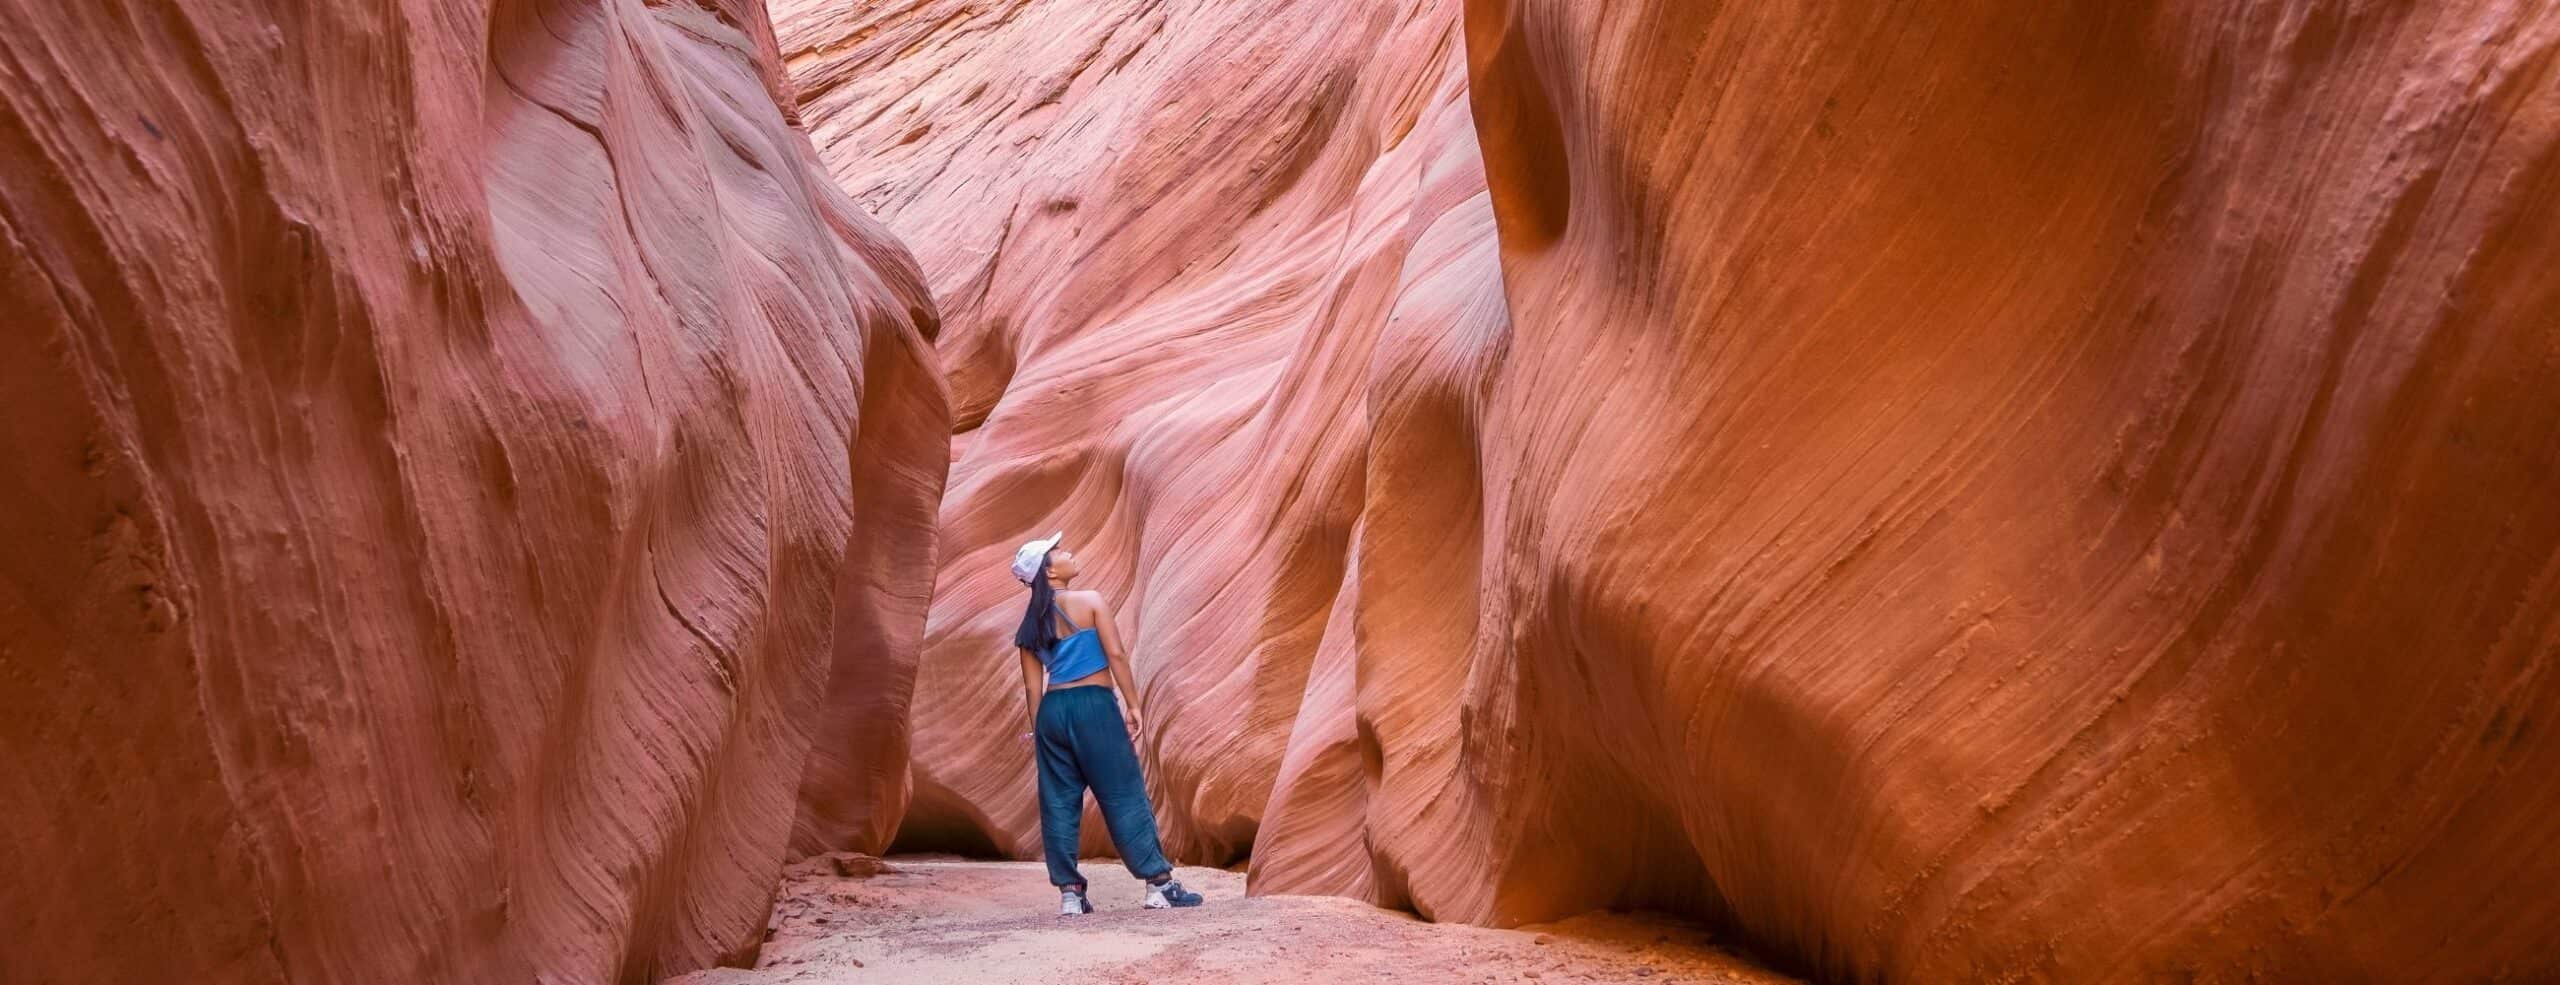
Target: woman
x=1071 y=658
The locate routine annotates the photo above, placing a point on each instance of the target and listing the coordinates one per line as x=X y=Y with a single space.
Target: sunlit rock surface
x=2013 y=493
x=1173 y=245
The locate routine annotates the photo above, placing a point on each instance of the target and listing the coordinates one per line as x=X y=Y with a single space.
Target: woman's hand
x=1129 y=716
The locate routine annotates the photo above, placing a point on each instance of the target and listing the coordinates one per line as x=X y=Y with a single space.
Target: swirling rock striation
x=2026 y=492
x=1173 y=243
x=451 y=447
x=2015 y=493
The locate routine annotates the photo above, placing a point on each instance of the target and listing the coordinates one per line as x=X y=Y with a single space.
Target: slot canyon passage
x=520 y=490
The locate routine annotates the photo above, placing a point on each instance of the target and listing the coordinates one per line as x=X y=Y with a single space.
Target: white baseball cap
x=1026 y=562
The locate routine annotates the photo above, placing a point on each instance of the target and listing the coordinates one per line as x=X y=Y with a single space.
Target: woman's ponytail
x=1039 y=630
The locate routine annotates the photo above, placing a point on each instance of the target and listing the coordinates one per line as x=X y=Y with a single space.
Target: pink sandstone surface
x=2019 y=492
x=2013 y=492
x=1172 y=244
x=453 y=451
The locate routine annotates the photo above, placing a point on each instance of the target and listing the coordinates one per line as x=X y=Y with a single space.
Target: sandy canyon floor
x=946 y=921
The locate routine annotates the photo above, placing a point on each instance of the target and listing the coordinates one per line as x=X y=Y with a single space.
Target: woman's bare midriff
x=1099 y=677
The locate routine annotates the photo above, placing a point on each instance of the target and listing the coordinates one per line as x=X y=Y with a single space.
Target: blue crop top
x=1076 y=657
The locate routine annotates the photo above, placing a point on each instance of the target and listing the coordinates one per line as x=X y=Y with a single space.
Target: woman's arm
x=1118 y=656
x=1032 y=679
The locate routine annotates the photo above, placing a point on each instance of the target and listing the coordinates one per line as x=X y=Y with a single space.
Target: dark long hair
x=1039 y=631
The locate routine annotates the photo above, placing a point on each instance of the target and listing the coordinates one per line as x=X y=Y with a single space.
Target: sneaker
x=1169 y=894
x=1072 y=903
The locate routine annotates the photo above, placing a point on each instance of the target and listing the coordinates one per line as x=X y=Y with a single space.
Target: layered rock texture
x=2095 y=514
x=2021 y=492
x=452 y=449
x=1174 y=245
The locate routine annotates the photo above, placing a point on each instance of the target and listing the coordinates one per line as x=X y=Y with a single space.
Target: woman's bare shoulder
x=1085 y=602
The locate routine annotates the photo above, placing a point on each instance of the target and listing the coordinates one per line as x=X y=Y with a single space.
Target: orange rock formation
x=450 y=448
x=2018 y=492
x=2007 y=492
x=2094 y=517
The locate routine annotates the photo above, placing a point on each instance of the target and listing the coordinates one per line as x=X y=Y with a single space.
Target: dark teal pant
x=1084 y=744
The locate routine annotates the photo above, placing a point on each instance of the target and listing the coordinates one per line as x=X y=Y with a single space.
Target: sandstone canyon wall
x=1173 y=244
x=2090 y=509
x=2015 y=492
x=450 y=449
